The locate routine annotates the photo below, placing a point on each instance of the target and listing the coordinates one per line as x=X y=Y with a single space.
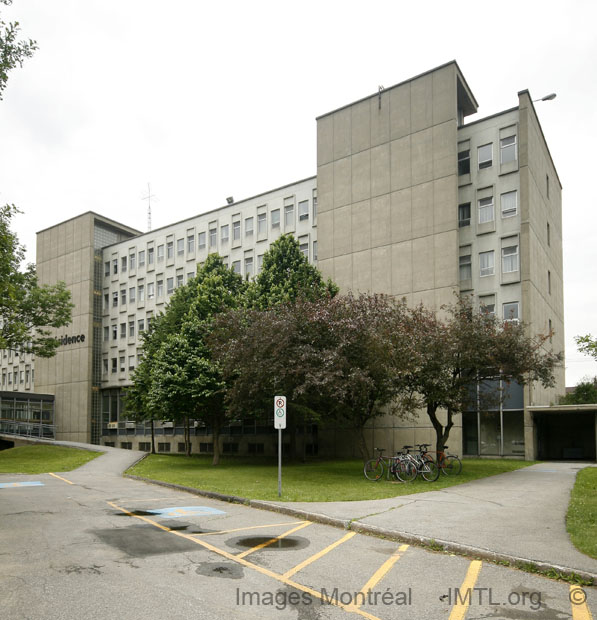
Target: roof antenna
x=148 y=198
x=380 y=89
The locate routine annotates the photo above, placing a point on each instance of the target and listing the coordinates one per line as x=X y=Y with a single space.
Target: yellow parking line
x=242 y=529
x=578 y=600
x=273 y=540
x=61 y=478
x=464 y=599
x=378 y=575
x=315 y=557
x=255 y=567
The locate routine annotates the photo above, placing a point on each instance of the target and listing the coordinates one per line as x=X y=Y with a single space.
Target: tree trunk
x=216 y=441
x=363 y=444
x=187 y=436
x=441 y=433
x=152 y=437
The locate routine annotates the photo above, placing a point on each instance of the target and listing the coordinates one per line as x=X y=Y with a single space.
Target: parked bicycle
x=375 y=468
x=449 y=464
x=409 y=465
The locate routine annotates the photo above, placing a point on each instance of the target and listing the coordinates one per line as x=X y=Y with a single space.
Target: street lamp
x=549 y=97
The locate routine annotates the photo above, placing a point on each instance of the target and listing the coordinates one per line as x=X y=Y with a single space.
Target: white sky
x=206 y=100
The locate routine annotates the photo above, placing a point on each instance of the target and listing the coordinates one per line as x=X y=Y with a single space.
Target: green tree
x=28 y=312
x=12 y=51
x=587 y=345
x=286 y=275
x=450 y=355
x=585 y=393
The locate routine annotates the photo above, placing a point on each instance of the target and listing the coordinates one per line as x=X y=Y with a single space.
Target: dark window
x=464 y=162
x=464 y=215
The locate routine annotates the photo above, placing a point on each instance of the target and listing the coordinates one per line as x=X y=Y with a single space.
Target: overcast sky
x=209 y=100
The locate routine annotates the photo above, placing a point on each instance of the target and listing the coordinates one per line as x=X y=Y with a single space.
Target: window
x=547 y=185
x=163 y=447
x=509 y=204
x=123 y=330
x=106 y=301
x=314 y=251
x=115 y=299
x=303 y=210
x=248 y=227
x=236 y=230
x=510 y=311
x=248 y=267
x=122 y=361
x=178 y=280
x=487 y=304
x=508 y=149
x=170 y=249
x=549 y=282
x=141 y=292
x=486 y=263
x=115 y=266
x=213 y=237
x=21 y=376
x=105 y=366
x=123 y=297
x=141 y=258
x=160 y=288
x=464 y=215
x=114 y=365
x=275 y=215
x=190 y=275
x=464 y=162
x=190 y=244
x=486 y=210
x=548 y=235
x=288 y=216
x=114 y=331
x=141 y=326
x=259 y=262
x=485 y=156
x=132 y=294
x=169 y=286
x=131 y=329
x=132 y=261
x=465 y=267
x=201 y=240
x=160 y=253
x=107 y=268
x=180 y=247
x=106 y=333
x=261 y=223
x=225 y=233
x=150 y=290
x=314 y=204
x=123 y=262
x=236 y=266
x=131 y=362
x=304 y=248
x=510 y=259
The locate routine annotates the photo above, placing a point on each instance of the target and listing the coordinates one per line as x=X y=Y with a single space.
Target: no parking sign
x=280 y=412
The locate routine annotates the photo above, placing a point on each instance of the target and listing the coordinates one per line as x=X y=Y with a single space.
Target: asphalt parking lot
x=90 y=546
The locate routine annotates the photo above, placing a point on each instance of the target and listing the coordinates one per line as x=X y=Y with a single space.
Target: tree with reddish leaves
x=452 y=355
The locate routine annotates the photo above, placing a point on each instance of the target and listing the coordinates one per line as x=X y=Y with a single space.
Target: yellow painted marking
x=580 y=609
x=460 y=607
x=378 y=575
x=315 y=557
x=242 y=529
x=61 y=478
x=246 y=563
x=273 y=540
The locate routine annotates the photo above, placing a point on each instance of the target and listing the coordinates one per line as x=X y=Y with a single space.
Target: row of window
x=25 y=377
x=486 y=211
x=121 y=330
x=120 y=362
x=508 y=153
x=510 y=309
x=149 y=257
x=510 y=262
x=153 y=290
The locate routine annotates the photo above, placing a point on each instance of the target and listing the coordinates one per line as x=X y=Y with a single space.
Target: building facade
x=408 y=200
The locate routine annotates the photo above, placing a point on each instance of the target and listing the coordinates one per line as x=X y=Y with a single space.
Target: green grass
x=581 y=520
x=315 y=481
x=43 y=459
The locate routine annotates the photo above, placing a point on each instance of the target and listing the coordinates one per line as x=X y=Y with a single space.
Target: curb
x=380 y=532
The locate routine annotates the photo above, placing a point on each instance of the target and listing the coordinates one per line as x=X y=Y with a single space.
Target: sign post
x=279 y=423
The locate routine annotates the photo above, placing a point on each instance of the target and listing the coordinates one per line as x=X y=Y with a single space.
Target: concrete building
x=408 y=200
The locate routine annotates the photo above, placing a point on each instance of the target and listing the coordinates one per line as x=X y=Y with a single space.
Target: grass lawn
x=315 y=481
x=581 y=520
x=43 y=459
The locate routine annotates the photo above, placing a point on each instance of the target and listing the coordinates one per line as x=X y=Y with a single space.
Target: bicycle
x=374 y=468
x=408 y=466
x=449 y=464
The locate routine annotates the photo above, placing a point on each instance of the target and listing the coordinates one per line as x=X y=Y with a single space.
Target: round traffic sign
x=280 y=402
x=280 y=413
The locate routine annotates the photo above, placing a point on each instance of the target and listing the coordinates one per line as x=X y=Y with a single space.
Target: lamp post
x=549 y=97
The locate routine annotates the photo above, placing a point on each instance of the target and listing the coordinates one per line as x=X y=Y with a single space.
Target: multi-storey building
x=413 y=202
